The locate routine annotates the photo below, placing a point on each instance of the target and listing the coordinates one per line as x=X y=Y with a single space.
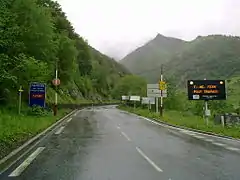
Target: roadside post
x=207 y=112
x=56 y=83
x=206 y=90
x=222 y=121
x=20 y=99
x=149 y=106
x=156 y=104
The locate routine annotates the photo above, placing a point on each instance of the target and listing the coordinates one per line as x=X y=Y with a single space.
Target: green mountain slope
x=152 y=54
x=36 y=36
x=210 y=57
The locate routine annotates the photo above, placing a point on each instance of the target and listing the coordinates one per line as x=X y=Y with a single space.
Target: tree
x=130 y=85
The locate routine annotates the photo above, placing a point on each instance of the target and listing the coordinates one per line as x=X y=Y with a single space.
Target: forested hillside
x=35 y=37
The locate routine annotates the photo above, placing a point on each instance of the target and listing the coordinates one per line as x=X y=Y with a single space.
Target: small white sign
x=147 y=100
x=207 y=112
x=153 y=91
x=152 y=86
x=125 y=97
x=134 y=98
x=156 y=93
x=196 y=96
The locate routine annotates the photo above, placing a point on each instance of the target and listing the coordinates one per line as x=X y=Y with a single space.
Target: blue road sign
x=37 y=94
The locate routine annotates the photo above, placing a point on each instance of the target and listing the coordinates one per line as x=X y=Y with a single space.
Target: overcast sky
x=116 y=27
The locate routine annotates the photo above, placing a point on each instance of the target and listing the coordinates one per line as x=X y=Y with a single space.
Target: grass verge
x=16 y=129
x=184 y=119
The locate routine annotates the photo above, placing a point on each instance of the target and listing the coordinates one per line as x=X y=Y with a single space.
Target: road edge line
x=165 y=124
x=18 y=171
x=199 y=132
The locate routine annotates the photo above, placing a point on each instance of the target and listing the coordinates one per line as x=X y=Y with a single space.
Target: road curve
x=105 y=143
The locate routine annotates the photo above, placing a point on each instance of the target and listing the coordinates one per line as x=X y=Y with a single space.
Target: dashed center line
x=148 y=159
x=26 y=163
x=59 y=130
x=118 y=127
x=69 y=120
x=126 y=136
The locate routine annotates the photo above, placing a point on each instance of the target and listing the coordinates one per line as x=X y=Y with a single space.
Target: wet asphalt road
x=108 y=144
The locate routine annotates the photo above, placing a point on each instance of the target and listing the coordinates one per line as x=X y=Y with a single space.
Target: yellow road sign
x=162 y=85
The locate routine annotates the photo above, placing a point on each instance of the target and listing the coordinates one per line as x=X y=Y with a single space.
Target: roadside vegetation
x=178 y=110
x=16 y=129
x=186 y=120
x=35 y=38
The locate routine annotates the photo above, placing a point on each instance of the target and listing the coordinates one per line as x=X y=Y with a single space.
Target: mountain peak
x=160 y=36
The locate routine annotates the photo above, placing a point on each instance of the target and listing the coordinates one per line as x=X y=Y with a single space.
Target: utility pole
x=161 y=98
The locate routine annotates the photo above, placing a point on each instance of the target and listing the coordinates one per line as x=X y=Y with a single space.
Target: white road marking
x=218 y=144
x=188 y=132
x=59 y=130
x=118 y=127
x=126 y=136
x=199 y=137
x=69 y=120
x=148 y=160
x=233 y=149
x=26 y=163
x=209 y=140
x=75 y=114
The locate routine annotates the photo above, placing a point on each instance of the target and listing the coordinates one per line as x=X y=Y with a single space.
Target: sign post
x=162 y=87
x=206 y=90
x=149 y=101
x=207 y=112
x=56 y=83
x=37 y=94
x=134 y=99
x=153 y=91
x=156 y=104
x=124 y=99
x=20 y=100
